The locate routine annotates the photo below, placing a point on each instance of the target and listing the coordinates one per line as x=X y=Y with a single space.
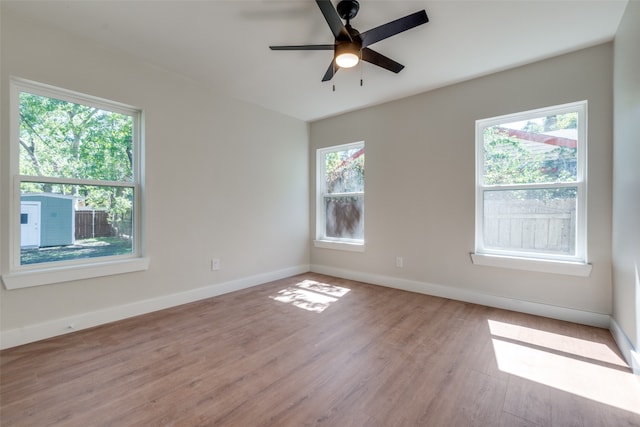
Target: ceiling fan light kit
x=351 y=46
x=347 y=54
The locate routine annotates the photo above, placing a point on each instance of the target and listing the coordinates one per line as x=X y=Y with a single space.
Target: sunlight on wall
x=310 y=295
x=581 y=367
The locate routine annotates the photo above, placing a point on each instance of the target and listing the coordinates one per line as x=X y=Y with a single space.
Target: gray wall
x=626 y=176
x=420 y=174
x=224 y=179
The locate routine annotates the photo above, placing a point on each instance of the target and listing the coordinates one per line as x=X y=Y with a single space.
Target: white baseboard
x=31 y=333
x=555 y=312
x=630 y=353
x=40 y=331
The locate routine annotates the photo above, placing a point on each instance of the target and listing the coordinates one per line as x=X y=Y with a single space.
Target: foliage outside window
x=341 y=193
x=530 y=199
x=77 y=175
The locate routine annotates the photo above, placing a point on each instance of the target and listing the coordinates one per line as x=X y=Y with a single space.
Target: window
x=75 y=163
x=531 y=185
x=340 y=202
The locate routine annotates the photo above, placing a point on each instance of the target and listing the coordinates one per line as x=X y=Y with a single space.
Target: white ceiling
x=224 y=44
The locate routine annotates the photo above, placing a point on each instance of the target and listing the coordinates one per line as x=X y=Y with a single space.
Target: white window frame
x=544 y=262
x=23 y=276
x=322 y=241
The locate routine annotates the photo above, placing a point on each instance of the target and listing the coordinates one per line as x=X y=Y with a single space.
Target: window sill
x=340 y=246
x=48 y=276
x=529 y=264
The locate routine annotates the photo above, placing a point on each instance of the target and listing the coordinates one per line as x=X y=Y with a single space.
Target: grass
x=87 y=248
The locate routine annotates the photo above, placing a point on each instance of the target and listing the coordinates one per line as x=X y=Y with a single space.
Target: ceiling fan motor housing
x=348 y=9
x=347 y=46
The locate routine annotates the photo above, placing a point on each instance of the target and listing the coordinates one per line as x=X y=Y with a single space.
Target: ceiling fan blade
x=394 y=27
x=330 y=72
x=380 y=60
x=333 y=19
x=304 y=47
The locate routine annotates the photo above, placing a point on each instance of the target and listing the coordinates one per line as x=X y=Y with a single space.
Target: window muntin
x=530 y=199
x=74 y=153
x=341 y=193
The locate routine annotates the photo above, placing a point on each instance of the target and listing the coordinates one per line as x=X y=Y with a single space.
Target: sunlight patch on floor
x=310 y=295
x=588 y=369
x=559 y=343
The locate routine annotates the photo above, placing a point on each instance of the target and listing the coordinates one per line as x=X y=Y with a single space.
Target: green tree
x=507 y=162
x=61 y=139
x=345 y=170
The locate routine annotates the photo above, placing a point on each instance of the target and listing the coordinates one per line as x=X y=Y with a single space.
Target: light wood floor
x=304 y=351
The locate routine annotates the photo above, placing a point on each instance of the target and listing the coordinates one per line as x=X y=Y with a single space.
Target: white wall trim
x=530 y=264
x=40 y=331
x=66 y=273
x=629 y=352
x=341 y=246
x=555 y=312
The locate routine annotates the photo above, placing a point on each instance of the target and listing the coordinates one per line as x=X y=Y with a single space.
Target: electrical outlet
x=399 y=262
x=215 y=264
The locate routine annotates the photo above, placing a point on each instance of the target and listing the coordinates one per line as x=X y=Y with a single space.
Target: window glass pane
x=541 y=220
x=344 y=216
x=75 y=222
x=538 y=150
x=345 y=171
x=67 y=140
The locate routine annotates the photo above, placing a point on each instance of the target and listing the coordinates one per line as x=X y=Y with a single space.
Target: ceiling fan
x=350 y=45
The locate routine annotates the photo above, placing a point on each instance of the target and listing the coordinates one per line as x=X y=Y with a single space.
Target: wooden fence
x=531 y=225
x=92 y=223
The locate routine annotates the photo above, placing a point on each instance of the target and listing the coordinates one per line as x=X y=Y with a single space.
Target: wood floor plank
x=529 y=400
x=302 y=352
